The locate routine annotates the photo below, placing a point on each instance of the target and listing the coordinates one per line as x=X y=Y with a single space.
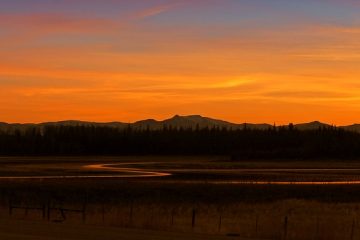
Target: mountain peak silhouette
x=177 y=121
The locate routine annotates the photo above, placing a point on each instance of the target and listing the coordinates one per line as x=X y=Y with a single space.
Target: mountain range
x=191 y=121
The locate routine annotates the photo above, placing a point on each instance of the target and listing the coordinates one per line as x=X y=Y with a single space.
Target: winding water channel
x=125 y=170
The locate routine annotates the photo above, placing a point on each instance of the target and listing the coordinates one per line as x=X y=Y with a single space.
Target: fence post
x=317 y=227
x=193 y=218
x=131 y=213
x=285 y=227
x=44 y=211
x=172 y=216
x=48 y=210
x=84 y=212
x=10 y=207
x=352 y=230
x=256 y=225
x=103 y=212
x=220 y=222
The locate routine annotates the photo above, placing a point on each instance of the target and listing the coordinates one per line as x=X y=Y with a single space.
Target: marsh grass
x=265 y=212
x=285 y=212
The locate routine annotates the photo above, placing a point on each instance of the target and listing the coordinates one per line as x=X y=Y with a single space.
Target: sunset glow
x=243 y=61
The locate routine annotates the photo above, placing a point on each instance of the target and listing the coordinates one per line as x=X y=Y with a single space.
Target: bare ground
x=32 y=230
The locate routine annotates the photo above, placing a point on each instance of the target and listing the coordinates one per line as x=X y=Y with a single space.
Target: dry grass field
x=33 y=230
x=190 y=201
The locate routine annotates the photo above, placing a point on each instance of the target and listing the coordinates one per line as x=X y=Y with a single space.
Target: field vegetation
x=190 y=200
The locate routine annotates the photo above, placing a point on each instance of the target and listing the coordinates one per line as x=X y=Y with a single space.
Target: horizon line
x=176 y=115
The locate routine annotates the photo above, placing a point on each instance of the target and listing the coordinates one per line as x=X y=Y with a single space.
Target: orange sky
x=242 y=62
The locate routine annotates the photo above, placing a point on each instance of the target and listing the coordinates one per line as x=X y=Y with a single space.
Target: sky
x=273 y=61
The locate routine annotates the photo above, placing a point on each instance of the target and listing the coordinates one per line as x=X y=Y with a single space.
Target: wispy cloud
x=20 y=28
x=154 y=11
x=52 y=22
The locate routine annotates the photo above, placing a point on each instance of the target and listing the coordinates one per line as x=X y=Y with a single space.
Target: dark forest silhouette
x=275 y=142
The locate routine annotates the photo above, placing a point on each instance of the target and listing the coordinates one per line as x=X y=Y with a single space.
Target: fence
x=260 y=222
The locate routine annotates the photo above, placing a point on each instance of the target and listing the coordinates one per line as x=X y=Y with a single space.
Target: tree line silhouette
x=275 y=142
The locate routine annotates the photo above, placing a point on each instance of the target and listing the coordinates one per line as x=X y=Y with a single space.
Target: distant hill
x=16 y=127
x=354 y=128
x=26 y=126
x=185 y=122
x=193 y=122
x=311 y=126
x=81 y=123
x=147 y=124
